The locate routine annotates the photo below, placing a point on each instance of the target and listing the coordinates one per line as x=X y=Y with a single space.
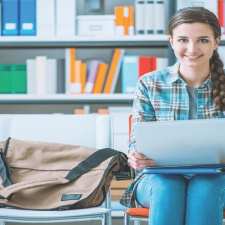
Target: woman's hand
x=139 y=161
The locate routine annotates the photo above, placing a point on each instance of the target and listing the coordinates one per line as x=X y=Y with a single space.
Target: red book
x=146 y=64
x=221 y=12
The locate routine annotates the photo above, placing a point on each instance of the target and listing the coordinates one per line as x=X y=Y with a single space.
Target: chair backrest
x=89 y=130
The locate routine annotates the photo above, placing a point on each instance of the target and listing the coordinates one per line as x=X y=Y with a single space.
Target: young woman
x=193 y=88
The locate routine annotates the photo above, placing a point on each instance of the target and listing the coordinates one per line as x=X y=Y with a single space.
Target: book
x=160 y=17
x=119 y=26
x=221 y=7
x=208 y=4
x=27 y=12
x=140 y=16
x=149 y=21
x=83 y=76
x=60 y=76
x=41 y=65
x=65 y=18
x=92 y=72
x=146 y=64
x=114 y=69
x=45 y=11
x=10 y=17
x=189 y=169
x=100 y=78
x=129 y=74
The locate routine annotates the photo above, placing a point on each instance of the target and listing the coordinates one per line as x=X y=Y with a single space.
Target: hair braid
x=218 y=80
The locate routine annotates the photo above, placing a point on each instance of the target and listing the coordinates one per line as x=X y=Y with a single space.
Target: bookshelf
x=17 y=49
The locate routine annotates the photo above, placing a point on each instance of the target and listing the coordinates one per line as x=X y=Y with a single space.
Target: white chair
x=88 y=130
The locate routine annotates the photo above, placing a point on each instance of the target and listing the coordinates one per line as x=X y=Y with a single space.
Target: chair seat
x=16 y=215
x=144 y=212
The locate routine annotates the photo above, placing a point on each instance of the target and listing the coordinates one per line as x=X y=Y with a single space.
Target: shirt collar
x=173 y=73
x=174 y=76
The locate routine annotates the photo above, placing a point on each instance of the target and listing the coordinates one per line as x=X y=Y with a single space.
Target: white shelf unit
x=63 y=98
x=135 y=40
x=17 y=45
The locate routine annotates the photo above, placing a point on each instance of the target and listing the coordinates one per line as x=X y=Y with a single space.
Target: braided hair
x=202 y=15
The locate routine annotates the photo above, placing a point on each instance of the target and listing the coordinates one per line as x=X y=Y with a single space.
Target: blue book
x=190 y=169
x=129 y=74
x=27 y=10
x=10 y=17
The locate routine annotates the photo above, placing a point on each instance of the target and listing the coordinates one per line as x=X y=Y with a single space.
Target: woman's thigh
x=160 y=186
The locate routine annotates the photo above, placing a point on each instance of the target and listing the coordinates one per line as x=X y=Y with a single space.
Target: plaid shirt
x=163 y=95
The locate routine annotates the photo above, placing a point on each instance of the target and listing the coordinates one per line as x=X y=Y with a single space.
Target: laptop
x=182 y=142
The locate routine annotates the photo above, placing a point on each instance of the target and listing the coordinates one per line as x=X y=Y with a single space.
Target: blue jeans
x=179 y=200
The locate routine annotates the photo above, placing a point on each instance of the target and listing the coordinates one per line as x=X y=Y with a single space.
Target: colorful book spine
x=83 y=76
x=114 y=70
x=100 y=78
x=27 y=12
x=221 y=12
x=92 y=72
x=129 y=74
x=10 y=17
x=124 y=20
x=13 y=79
x=146 y=64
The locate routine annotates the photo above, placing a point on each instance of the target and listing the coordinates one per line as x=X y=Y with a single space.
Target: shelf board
x=64 y=99
x=123 y=41
x=76 y=41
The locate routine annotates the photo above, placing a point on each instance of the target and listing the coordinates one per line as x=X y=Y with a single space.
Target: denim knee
x=207 y=184
x=160 y=186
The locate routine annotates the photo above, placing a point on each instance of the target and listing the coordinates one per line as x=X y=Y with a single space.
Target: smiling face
x=193 y=44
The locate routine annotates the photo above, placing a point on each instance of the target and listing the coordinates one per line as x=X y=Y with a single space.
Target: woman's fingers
x=139 y=161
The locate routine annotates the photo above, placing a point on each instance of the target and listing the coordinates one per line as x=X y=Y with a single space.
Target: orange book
x=83 y=76
x=100 y=78
x=119 y=20
x=75 y=86
x=113 y=73
x=126 y=19
x=72 y=64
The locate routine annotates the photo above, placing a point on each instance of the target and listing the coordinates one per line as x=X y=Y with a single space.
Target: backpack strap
x=91 y=162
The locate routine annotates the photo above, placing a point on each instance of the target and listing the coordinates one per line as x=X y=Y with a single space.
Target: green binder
x=19 y=79
x=13 y=79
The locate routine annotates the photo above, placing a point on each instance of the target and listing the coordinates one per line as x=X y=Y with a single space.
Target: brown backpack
x=39 y=175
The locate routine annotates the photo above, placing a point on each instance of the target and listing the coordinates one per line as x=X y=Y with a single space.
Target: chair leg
x=107 y=219
x=126 y=219
x=137 y=222
x=2 y=222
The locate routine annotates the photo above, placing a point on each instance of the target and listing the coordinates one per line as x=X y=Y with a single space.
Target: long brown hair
x=202 y=15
